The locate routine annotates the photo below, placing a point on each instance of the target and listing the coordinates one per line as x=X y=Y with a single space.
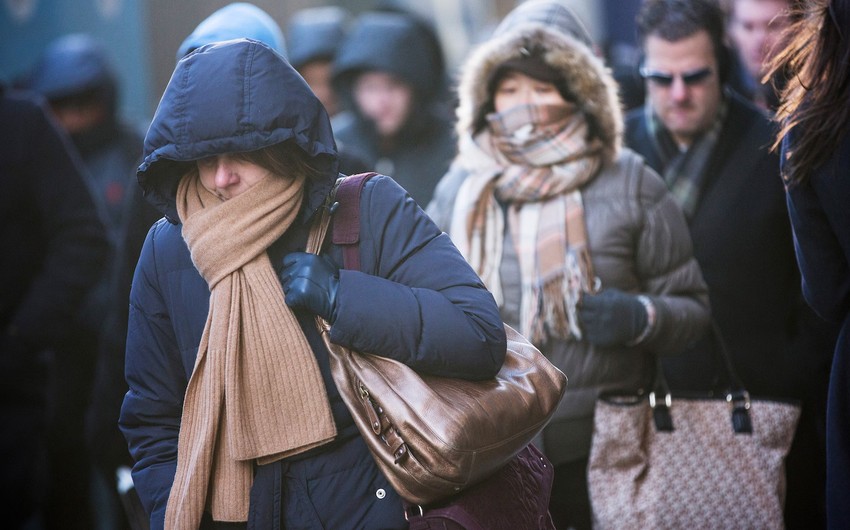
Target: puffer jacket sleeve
x=417 y=300
x=669 y=273
x=441 y=205
x=150 y=414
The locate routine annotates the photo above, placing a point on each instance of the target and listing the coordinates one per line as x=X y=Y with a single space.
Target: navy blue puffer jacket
x=415 y=299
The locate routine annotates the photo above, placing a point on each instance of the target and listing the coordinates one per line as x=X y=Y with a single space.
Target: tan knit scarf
x=534 y=158
x=256 y=392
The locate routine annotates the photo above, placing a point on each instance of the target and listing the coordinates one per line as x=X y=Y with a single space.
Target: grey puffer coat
x=638 y=237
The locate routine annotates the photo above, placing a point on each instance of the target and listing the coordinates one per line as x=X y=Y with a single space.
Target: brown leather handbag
x=434 y=436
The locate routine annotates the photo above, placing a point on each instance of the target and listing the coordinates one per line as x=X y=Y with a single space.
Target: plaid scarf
x=684 y=170
x=534 y=160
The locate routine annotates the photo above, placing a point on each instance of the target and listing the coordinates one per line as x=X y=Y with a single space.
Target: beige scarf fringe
x=256 y=392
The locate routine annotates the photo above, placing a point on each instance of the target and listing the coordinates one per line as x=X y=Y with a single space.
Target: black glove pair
x=611 y=318
x=311 y=282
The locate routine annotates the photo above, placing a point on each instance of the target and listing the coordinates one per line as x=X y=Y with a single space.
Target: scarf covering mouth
x=256 y=392
x=536 y=158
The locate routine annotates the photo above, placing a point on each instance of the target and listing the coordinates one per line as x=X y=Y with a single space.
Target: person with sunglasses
x=712 y=148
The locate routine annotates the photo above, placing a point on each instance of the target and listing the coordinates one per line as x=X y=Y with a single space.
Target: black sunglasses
x=664 y=79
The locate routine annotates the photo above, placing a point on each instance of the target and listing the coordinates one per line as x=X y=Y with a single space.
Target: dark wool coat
x=742 y=241
x=54 y=249
x=415 y=300
x=820 y=216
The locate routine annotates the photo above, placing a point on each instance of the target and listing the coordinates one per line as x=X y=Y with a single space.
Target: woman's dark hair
x=674 y=20
x=815 y=100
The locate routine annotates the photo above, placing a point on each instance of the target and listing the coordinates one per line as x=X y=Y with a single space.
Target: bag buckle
x=661 y=412
x=668 y=400
x=413 y=510
x=739 y=401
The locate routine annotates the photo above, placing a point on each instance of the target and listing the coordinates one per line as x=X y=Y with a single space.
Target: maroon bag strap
x=346 y=217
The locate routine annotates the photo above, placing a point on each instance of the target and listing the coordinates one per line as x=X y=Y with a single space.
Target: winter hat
x=234 y=21
x=315 y=33
x=72 y=65
x=531 y=65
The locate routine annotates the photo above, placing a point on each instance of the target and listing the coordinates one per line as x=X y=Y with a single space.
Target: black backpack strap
x=346 y=218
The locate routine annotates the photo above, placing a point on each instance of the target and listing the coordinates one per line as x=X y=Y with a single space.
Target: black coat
x=820 y=215
x=742 y=241
x=53 y=241
x=54 y=248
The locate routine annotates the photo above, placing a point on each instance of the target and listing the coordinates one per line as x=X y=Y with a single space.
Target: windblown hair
x=816 y=99
x=674 y=20
x=281 y=159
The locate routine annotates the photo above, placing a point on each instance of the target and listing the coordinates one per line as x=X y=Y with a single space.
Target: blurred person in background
x=235 y=20
x=314 y=36
x=54 y=251
x=390 y=72
x=756 y=29
x=74 y=74
x=712 y=147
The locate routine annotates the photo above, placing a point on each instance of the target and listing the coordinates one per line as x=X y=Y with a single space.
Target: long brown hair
x=815 y=102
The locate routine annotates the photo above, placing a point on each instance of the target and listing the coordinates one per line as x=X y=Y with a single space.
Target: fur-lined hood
x=585 y=76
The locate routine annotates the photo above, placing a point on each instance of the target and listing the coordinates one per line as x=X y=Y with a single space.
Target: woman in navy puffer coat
x=416 y=301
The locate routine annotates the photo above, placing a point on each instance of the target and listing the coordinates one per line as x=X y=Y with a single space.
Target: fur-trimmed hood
x=585 y=75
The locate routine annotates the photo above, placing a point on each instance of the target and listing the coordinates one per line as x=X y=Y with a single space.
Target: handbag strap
x=736 y=394
x=346 y=229
x=343 y=204
x=319 y=230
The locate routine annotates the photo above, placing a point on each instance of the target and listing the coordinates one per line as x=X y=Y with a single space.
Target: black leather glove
x=311 y=281
x=611 y=318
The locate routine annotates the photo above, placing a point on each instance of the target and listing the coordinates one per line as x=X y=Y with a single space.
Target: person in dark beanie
x=314 y=36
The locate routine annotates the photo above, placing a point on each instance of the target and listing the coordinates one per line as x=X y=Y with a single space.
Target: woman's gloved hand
x=612 y=318
x=311 y=282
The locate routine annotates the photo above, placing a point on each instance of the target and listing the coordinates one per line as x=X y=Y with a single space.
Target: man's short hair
x=673 y=20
